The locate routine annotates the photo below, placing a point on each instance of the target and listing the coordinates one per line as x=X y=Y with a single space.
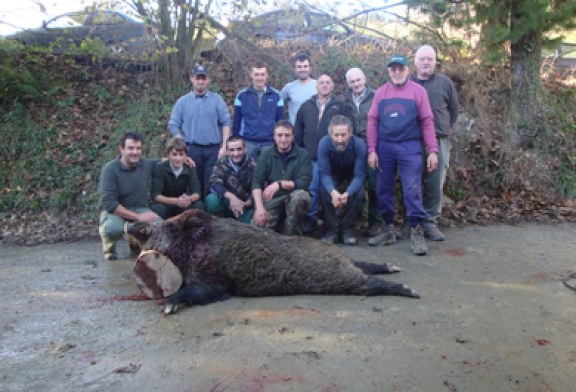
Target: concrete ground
x=494 y=316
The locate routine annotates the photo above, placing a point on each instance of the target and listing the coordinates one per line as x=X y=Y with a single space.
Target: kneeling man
x=280 y=182
x=342 y=169
x=123 y=192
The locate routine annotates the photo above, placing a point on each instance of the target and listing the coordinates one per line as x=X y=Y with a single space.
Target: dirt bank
x=494 y=316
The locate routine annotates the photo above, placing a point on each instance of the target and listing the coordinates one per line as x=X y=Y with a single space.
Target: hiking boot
x=110 y=256
x=330 y=237
x=418 y=244
x=372 y=230
x=404 y=232
x=387 y=236
x=432 y=232
x=348 y=238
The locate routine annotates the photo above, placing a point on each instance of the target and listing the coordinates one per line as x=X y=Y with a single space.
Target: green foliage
x=336 y=60
x=559 y=138
x=94 y=48
x=21 y=78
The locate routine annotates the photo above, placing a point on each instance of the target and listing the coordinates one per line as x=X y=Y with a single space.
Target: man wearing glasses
x=399 y=119
x=202 y=119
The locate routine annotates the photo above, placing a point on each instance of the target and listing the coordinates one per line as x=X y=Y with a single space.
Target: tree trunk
x=525 y=62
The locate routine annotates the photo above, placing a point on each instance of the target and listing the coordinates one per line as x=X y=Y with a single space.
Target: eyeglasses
x=396 y=68
x=201 y=77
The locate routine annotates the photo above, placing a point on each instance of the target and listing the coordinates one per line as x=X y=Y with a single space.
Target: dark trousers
x=166 y=211
x=341 y=220
x=406 y=158
x=205 y=157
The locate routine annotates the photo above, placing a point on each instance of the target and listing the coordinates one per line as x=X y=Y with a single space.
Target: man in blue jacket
x=342 y=169
x=256 y=109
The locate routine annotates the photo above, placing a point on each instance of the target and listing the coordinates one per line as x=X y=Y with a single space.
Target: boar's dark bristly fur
x=219 y=257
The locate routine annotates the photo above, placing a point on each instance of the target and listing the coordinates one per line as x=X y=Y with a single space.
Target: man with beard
x=342 y=168
x=280 y=183
x=201 y=118
x=444 y=102
x=123 y=192
x=399 y=119
x=311 y=125
x=230 y=183
x=298 y=91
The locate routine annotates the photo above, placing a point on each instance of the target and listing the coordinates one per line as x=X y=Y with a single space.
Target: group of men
x=334 y=156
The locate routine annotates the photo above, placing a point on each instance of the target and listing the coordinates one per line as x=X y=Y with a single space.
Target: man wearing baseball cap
x=202 y=119
x=400 y=117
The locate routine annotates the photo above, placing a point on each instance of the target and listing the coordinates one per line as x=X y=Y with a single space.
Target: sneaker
x=372 y=230
x=330 y=237
x=110 y=256
x=387 y=236
x=418 y=244
x=348 y=238
x=404 y=232
x=432 y=232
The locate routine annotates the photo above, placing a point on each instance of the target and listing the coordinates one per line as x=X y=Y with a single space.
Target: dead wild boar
x=222 y=257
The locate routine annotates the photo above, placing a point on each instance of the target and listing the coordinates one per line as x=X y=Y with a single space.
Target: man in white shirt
x=298 y=91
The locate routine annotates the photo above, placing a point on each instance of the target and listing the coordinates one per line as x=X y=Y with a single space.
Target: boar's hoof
x=393 y=268
x=412 y=293
x=170 y=308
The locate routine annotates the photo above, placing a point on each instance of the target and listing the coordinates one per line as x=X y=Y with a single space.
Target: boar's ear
x=193 y=219
x=138 y=230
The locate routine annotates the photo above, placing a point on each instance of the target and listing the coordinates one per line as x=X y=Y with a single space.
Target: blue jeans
x=205 y=157
x=253 y=149
x=406 y=158
x=313 y=189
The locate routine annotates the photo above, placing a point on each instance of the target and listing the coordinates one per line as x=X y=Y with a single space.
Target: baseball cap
x=200 y=70
x=398 y=59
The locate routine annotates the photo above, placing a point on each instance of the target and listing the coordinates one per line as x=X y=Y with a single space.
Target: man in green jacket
x=280 y=183
x=123 y=192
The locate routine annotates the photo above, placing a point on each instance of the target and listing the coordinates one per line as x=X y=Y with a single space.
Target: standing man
x=311 y=125
x=298 y=91
x=201 y=118
x=280 y=182
x=123 y=192
x=444 y=102
x=231 y=183
x=342 y=167
x=359 y=99
x=400 y=117
x=256 y=109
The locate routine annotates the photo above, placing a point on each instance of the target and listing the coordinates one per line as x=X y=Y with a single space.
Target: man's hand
x=270 y=190
x=432 y=162
x=189 y=162
x=373 y=160
x=148 y=216
x=339 y=200
x=260 y=217
x=236 y=205
x=221 y=152
x=343 y=199
x=335 y=198
x=184 y=201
